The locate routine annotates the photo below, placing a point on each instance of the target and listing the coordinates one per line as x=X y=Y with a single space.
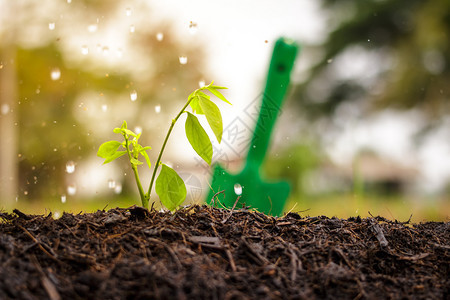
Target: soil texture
x=201 y=252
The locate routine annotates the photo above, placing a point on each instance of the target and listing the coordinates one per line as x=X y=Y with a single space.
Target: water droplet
x=183 y=60
x=104 y=107
x=1 y=65
x=330 y=60
x=128 y=11
x=159 y=36
x=69 y=1
x=25 y=193
x=5 y=108
x=51 y=26
x=55 y=74
x=98 y=47
x=111 y=184
x=238 y=189
x=119 y=53
x=105 y=51
x=133 y=96
x=201 y=83
x=38 y=91
x=84 y=50
x=138 y=129
x=71 y=189
x=132 y=29
x=193 y=28
x=118 y=188
x=70 y=167
x=254 y=146
x=158 y=109
x=368 y=40
x=92 y=27
x=56 y=215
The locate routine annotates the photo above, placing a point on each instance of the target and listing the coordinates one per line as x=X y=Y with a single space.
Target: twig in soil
x=51 y=255
x=168 y=249
x=231 y=211
x=213 y=202
x=49 y=287
x=378 y=233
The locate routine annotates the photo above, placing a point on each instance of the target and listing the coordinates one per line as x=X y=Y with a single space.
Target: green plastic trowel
x=266 y=197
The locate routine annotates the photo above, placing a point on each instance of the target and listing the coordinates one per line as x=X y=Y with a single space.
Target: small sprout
x=169 y=186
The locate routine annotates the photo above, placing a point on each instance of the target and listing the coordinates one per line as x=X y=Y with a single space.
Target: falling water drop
x=118 y=188
x=128 y=11
x=183 y=60
x=71 y=189
x=330 y=60
x=119 y=53
x=69 y=1
x=238 y=189
x=5 y=108
x=104 y=107
x=193 y=28
x=201 y=83
x=133 y=96
x=55 y=74
x=132 y=28
x=84 y=50
x=92 y=27
x=105 y=51
x=70 y=167
x=138 y=129
x=158 y=109
x=51 y=26
x=111 y=184
x=63 y=199
x=159 y=36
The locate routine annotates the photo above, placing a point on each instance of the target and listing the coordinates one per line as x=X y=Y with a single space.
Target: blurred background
x=366 y=127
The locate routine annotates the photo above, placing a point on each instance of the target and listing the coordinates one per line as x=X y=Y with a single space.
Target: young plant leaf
x=216 y=93
x=213 y=116
x=195 y=105
x=198 y=138
x=170 y=188
x=108 y=149
x=116 y=155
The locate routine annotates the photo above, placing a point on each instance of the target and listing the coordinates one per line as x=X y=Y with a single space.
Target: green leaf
x=213 y=116
x=129 y=132
x=170 y=188
x=145 y=155
x=108 y=149
x=198 y=138
x=216 y=93
x=117 y=130
x=114 y=156
x=195 y=105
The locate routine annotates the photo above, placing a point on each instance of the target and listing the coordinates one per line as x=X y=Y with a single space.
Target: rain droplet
x=56 y=215
x=5 y=108
x=193 y=28
x=118 y=188
x=183 y=60
x=104 y=107
x=159 y=36
x=71 y=189
x=368 y=40
x=105 y=51
x=330 y=60
x=51 y=26
x=158 y=109
x=69 y=1
x=201 y=83
x=84 y=50
x=55 y=74
x=133 y=96
x=70 y=167
x=128 y=11
x=111 y=184
x=138 y=129
x=238 y=189
x=1 y=65
x=98 y=47
x=119 y=53
x=132 y=29
x=92 y=28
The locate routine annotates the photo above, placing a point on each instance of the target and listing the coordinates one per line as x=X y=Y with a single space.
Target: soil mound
x=201 y=252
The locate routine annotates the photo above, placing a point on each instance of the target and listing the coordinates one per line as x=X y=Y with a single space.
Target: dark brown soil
x=205 y=253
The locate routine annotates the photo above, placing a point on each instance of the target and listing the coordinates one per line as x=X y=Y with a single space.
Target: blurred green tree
x=381 y=54
x=56 y=105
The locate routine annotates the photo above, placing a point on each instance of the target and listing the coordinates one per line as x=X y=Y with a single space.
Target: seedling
x=169 y=186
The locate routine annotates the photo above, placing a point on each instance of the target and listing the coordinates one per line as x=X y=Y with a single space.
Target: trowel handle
x=280 y=67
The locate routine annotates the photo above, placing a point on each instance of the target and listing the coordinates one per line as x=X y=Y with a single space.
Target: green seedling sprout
x=169 y=186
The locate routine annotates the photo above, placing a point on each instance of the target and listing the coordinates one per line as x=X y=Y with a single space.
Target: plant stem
x=144 y=200
x=158 y=161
